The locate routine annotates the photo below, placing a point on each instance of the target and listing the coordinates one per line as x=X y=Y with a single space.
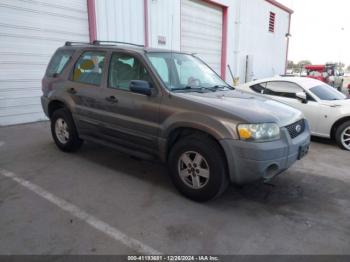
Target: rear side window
x=259 y=88
x=89 y=68
x=283 y=89
x=58 y=62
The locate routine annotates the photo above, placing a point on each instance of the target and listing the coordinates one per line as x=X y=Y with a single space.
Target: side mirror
x=140 y=87
x=302 y=97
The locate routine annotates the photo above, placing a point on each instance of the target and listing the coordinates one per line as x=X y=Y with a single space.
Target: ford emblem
x=298 y=128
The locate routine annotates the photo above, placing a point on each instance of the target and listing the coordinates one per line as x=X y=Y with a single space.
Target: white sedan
x=326 y=109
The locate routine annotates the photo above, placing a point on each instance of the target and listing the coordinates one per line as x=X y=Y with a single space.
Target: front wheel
x=342 y=136
x=64 y=132
x=198 y=168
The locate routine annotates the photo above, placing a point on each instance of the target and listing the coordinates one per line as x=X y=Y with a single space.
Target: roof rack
x=98 y=42
x=68 y=43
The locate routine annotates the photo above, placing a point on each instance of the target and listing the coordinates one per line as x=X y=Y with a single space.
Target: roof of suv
x=118 y=45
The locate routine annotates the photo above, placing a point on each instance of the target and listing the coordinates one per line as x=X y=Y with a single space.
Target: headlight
x=259 y=132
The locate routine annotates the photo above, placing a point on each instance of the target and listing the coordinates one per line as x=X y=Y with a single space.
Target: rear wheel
x=198 y=168
x=64 y=131
x=342 y=136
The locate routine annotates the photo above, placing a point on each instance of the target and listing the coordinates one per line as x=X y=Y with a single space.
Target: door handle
x=72 y=91
x=112 y=99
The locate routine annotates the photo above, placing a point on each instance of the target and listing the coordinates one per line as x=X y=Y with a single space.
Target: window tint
x=309 y=97
x=123 y=69
x=283 y=89
x=326 y=92
x=89 y=68
x=58 y=62
x=259 y=88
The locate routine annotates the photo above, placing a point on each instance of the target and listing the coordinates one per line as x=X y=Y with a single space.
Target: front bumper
x=249 y=161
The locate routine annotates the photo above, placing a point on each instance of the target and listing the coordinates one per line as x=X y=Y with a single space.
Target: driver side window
x=125 y=68
x=282 y=89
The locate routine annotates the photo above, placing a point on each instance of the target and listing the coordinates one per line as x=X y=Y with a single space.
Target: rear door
x=85 y=89
x=131 y=119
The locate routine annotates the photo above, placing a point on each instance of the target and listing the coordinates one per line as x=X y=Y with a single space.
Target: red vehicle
x=327 y=73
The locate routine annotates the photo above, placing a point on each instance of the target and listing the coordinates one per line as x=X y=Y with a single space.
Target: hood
x=246 y=106
x=336 y=103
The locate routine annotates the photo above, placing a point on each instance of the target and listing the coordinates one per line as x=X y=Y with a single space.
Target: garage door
x=201 y=31
x=30 y=31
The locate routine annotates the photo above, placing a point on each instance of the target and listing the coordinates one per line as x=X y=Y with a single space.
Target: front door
x=132 y=119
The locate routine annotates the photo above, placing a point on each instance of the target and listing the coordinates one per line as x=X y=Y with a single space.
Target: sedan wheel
x=342 y=136
x=345 y=138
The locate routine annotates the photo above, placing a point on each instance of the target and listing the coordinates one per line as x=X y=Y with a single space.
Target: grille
x=296 y=128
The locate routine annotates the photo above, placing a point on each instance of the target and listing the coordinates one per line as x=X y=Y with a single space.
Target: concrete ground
x=97 y=201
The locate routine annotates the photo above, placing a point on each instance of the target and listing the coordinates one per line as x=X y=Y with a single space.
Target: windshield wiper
x=216 y=87
x=188 y=89
x=199 y=89
x=202 y=88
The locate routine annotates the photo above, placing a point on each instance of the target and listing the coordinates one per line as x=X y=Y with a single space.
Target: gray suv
x=170 y=106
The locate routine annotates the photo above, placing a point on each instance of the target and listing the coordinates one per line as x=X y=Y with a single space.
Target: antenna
x=172 y=32
x=171 y=49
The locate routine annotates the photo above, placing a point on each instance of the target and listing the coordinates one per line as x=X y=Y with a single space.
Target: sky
x=320 y=31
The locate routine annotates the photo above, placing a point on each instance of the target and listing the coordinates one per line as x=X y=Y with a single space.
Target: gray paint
x=143 y=123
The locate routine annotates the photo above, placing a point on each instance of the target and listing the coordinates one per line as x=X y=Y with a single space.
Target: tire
x=342 y=134
x=66 y=138
x=202 y=183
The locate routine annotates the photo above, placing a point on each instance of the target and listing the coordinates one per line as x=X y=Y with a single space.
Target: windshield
x=182 y=72
x=326 y=92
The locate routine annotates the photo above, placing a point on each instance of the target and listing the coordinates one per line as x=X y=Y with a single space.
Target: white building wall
x=164 y=24
x=266 y=51
x=247 y=31
x=120 y=20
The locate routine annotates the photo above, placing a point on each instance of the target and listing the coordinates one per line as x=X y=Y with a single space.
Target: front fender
x=213 y=126
x=210 y=125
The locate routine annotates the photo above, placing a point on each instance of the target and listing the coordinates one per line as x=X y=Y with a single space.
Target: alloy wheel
x=61 y=130
x=193 y=169
x=345 y=138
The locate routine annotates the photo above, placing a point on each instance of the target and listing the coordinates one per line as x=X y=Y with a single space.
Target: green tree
x=304 y=63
